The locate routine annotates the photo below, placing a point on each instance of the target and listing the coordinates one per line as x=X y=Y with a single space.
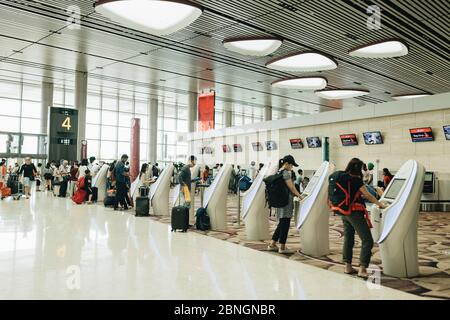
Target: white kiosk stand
x=314 y=214
x=398 y=239
x=99 y=182
x=215 y=199
x=137 y=183
x=159 y=192
x=255 y=213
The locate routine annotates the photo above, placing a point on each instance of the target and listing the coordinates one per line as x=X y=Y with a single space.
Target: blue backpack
x=245 y=183
x=202 y=221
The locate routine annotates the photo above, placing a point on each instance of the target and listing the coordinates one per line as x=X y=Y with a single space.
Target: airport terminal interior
x=224 y=150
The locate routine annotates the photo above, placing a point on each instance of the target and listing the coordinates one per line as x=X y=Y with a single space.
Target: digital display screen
x=373 y=138
x=237 y=148
x=349 y=140
x=447 y=132
x=206 y=150
x=271 y=145
x=314 y=142
x=226 y=148
x=65 y=141
x=421 y=134
x=429 y=176
x=296 y=143
x=257 y=146
x=394 y=188
x=311 y=185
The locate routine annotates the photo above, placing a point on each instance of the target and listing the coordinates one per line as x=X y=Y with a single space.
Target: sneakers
x=272 y=248
x=284 y=251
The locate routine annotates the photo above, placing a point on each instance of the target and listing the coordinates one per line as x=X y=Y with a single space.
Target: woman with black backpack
x=284 y=214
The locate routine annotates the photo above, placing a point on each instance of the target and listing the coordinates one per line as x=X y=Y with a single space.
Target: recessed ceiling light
x=337 y=94
x=309 y=61
x=410 y=96
x=304 y=83
x=253 y=46
x=381 y=49
x=156 y=17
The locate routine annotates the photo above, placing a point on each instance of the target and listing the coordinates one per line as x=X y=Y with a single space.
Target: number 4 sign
x=66 y=124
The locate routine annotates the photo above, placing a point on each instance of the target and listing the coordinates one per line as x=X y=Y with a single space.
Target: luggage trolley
x=19 y=193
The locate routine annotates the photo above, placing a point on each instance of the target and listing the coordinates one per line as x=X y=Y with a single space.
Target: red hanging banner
x=206 y=104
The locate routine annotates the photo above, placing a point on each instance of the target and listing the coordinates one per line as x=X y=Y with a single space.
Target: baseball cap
x=370 y=166
x=290 y=159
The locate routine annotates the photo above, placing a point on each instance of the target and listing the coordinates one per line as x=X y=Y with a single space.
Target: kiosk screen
x=394 y=188
x=311 y=185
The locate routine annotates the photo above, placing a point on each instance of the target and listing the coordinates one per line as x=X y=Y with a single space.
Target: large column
x=46 y=102
x=193 y=112
x=228 y=118
x=80 y=105
x=267 y=113
x=135 y=148
x=153 y=131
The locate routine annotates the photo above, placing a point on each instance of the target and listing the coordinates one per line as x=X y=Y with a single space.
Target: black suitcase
x=94 y=194
x=180 y=218
x=142 y=207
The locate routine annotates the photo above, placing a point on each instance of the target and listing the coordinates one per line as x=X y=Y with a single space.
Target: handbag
x=187 y=194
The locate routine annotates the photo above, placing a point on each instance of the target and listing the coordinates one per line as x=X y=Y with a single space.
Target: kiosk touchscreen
x=314 y=214
x=396 y=230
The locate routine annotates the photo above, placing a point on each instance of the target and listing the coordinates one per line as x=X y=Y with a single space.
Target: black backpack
x=277 y=192
x=339 y=192
x=202 y=221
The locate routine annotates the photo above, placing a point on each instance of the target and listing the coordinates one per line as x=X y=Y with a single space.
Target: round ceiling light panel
x=156 y=17
x=338 y=94
x=382 y=49
x=410 y=96
x=305 y=83
x=253 y=46
x=310 y=61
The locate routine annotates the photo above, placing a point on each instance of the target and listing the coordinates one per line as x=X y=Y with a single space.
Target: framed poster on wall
x=421 y=134
x=349 y=140
x=314 y=142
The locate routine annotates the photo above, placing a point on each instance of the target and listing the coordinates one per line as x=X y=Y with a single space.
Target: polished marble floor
x=52 y=249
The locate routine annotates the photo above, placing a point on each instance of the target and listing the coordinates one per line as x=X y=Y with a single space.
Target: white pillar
x=193 y=112
x=46 y=102
x=80 y=105
x=228 y=118
x=153 y=131
x=267 y=113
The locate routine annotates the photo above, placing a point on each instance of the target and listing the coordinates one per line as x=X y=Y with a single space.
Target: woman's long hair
x=143 y=169
x=387 y=172
x=354 y=167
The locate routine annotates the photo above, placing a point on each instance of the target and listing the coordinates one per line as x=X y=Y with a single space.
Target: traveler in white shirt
x=93 y=167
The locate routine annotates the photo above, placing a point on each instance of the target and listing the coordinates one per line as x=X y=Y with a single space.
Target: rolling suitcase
x=109 y=201
x=142 y=207
x=180 y=218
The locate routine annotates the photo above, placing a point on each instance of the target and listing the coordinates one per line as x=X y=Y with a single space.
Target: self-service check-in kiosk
x=314 y=214
x=397 y=224
x=159 y=192
x=99 y=182
x=215 y=198
x=255 y=213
